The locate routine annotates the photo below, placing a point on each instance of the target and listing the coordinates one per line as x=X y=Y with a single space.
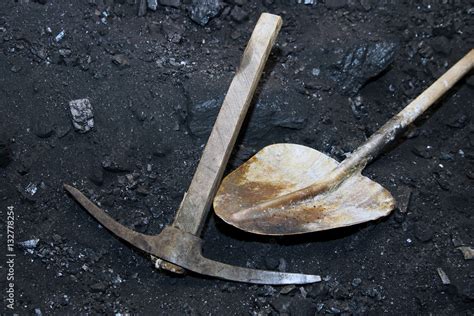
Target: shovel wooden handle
x=196 y=203
x=390 y=130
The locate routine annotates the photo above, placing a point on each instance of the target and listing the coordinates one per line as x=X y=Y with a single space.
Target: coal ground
x=155 y=83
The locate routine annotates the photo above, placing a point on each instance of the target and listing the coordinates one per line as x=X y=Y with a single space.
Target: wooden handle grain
x=196 y=203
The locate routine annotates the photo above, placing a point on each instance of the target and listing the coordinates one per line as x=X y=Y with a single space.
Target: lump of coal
x=96 y=175
x=238 y=14
x=25 y=163
x=335 y=4
x=173 y=32
x=441 y=45
x=116 y=163
x=98 y=287
x=423 y=151
x=43 y=126
x=361 y=63
x=5 y=152
x=423 y=233
x=264 y=119
x=202 y=114
x=82 y=117
x=459 y=121
x=201 y=11
x=171 y=3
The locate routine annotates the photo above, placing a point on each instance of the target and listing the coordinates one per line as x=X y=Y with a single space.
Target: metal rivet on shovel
x=292 y=189
x=179 y=244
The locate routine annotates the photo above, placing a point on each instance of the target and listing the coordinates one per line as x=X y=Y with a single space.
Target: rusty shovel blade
x=280 y=169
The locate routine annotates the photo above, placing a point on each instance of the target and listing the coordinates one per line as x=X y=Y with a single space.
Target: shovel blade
x=284 y=168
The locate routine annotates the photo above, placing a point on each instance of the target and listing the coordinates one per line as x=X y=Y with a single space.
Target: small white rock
x=31 y=189
x=315 y=72
x=82 y=116
x=152 y=4
x=29 y=244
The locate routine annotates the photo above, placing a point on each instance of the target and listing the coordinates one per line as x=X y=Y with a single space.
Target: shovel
x=178 y=245
x=290 y=189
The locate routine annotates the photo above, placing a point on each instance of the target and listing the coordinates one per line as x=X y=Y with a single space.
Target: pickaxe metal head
x=184 y=249
x=180 y=243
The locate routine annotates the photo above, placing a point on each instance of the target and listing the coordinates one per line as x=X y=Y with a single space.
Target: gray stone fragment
x=152 y=4
x=29 y=244
x=82 y=116
x=201 y=11
x=443 y=276
x=467 y=252
x=361 y=63
x=120 y=61
x=356 y=282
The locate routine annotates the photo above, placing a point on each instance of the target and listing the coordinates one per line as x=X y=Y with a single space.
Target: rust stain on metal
x=249 y=191
x=258 y=191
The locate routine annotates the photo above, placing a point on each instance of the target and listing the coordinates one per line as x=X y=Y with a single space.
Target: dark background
x=155 y=83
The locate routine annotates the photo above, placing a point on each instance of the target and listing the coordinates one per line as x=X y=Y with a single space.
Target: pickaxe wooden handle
x=196 y=204
x=180 y=243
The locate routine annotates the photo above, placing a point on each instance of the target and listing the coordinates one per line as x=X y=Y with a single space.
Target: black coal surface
x=154 y=73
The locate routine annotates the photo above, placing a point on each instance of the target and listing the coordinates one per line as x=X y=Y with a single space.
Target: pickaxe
x=179 y=245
